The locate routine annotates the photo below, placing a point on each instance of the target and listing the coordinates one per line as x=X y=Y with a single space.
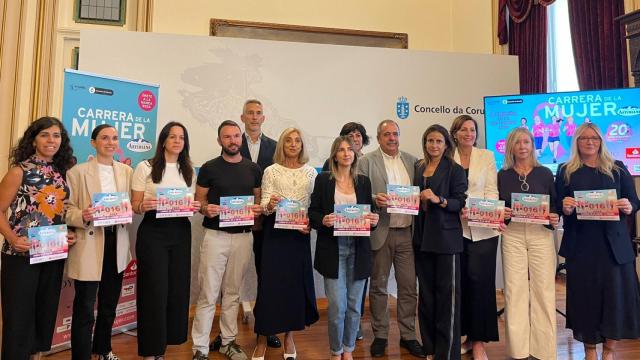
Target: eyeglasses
x=593 y=139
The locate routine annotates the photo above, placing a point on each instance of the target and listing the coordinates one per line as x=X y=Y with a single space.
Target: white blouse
x=107 y=178
x=341 y=198
x=292 y=184
x=141 y=180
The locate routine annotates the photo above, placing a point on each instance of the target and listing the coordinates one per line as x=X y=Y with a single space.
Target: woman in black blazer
x=603 y=295
x=344 y=261
x=437 y=241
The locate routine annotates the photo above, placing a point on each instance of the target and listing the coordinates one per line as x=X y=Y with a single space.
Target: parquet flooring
x=313 y=342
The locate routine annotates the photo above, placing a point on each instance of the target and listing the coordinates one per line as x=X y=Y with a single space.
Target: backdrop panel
x=205 y=80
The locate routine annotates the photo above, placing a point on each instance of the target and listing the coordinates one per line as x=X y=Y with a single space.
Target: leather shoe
x=216 y=344
x=377 y=347
x=273 y=342
x=414 y=347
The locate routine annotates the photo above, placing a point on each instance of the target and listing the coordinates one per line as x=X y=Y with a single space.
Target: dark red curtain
x=599 y=46
x=527 y=38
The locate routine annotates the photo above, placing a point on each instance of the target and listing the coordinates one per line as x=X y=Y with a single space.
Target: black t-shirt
x=228 y=179
x=540 y=181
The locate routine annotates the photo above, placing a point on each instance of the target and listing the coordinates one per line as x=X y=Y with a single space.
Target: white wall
x=205 y=80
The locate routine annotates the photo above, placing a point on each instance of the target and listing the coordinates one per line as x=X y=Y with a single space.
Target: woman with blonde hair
x=603 y=296
x=478 y=259
x=286 y=300
x=528 y=254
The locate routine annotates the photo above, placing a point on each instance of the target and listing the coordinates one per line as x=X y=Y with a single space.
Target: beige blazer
x=85 y=256
x=372 y=166
x=483 y=183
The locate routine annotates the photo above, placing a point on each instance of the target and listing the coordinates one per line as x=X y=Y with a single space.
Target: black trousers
x=108 y=292
x=478 y=286
x=30 y=296
x=439 y=303
x=163 y=250
x=258 y=235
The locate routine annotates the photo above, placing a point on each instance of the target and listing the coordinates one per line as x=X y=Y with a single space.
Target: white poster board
x=315 y=87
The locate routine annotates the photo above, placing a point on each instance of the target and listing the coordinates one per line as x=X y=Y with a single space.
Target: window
x=104 y=12
x=561 y=68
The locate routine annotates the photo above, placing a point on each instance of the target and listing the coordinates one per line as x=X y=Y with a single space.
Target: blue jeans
x=344 y=295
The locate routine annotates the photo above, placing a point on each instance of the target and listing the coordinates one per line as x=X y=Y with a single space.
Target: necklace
x=522 y=177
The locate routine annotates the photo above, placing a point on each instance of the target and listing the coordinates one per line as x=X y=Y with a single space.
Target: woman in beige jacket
x=101 y=254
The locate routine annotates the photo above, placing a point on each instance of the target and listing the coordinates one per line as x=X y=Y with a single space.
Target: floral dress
x=41 y=200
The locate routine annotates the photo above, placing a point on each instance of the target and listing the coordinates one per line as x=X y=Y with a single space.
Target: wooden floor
x=313 y=342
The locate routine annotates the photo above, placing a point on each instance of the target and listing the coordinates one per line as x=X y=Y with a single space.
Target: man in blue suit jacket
x=256 y=146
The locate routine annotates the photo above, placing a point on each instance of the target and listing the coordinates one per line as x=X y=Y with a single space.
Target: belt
x=233 y=231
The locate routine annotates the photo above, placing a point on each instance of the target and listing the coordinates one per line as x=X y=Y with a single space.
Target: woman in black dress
x=286 y=299
x=603 y=295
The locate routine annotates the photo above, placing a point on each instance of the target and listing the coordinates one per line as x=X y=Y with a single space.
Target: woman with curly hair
x=35 y=191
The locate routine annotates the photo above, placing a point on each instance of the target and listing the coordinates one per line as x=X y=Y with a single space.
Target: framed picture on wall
x=308 y=34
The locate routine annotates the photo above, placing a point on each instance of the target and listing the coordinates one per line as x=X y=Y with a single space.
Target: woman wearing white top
x=287 y=276
x=101 y=254
x=478 y=261
x=163 y=246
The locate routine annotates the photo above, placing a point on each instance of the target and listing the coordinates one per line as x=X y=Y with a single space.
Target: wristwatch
x=442 y=201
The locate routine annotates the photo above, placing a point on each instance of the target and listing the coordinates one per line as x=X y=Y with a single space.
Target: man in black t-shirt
x=225 y=251
x=259 y=148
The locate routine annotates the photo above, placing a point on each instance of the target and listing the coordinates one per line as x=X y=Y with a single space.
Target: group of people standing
x=444 y=268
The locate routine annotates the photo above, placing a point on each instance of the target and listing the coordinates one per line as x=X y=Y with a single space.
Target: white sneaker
x=109 y=356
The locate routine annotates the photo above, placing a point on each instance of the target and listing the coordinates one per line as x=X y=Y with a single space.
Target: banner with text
x=131 y=107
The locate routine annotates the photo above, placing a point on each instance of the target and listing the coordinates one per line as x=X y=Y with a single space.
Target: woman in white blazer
x=101 y=254
x=478 y=261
